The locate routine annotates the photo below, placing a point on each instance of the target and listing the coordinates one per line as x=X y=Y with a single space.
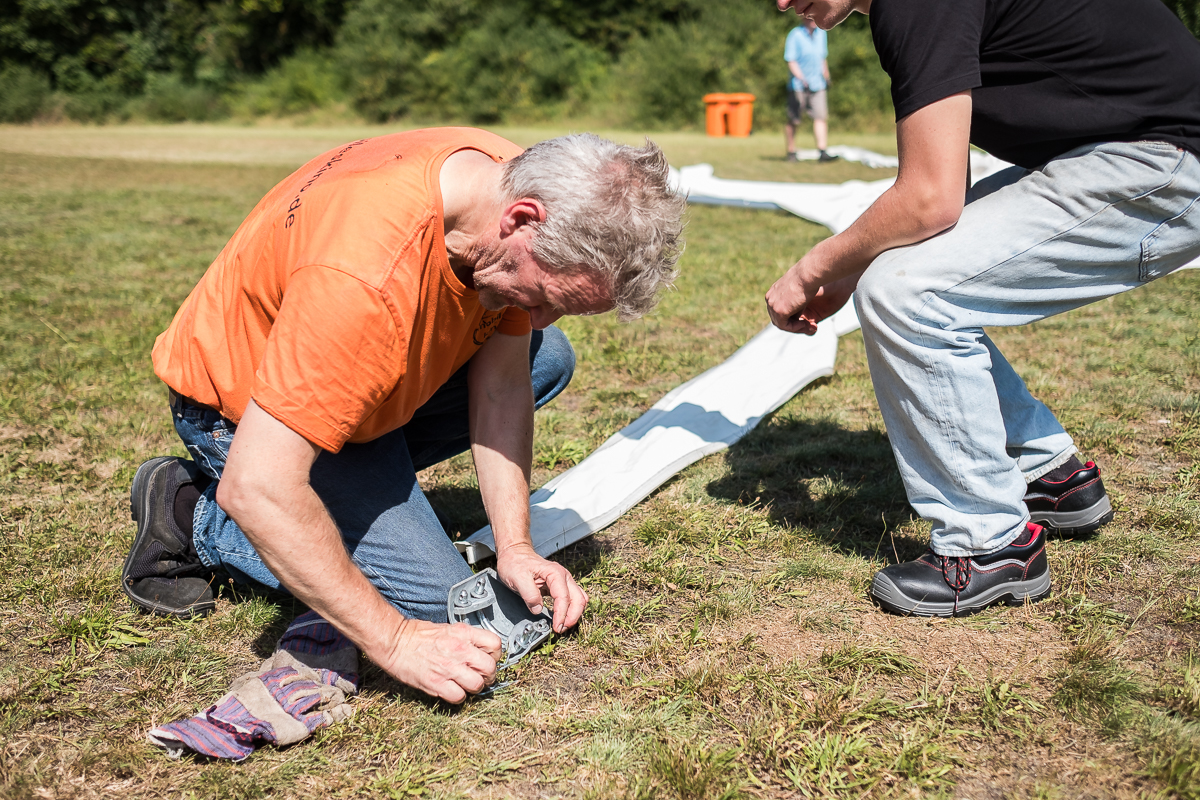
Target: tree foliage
x=127 y=40
x=643 y=61
x=1189 y=12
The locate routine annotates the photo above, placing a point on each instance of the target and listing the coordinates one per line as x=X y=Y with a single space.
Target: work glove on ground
x=302 y=687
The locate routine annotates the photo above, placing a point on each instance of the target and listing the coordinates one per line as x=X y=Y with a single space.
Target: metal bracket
x=484 y=601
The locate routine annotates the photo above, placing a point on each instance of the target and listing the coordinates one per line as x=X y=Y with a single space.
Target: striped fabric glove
x=302 y=687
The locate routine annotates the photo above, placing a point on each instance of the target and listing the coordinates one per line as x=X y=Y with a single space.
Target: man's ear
x=519 y=214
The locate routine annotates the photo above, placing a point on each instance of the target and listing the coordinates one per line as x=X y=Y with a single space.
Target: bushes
x=432 y=60
x=616 y=62
x=86 y=97
x=23 y=93
x=436 y=60
x=389 y=50
x=168 y=98
x=859 y=91
x=622 y=62
x=738 y=47
x=510 y=67
x=731 y=47
x=307 y=80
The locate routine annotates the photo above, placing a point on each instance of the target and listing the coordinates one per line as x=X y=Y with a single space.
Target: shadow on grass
x=459 y=509
x=836 y=485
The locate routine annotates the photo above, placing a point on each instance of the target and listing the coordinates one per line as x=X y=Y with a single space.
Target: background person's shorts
x=804 y=102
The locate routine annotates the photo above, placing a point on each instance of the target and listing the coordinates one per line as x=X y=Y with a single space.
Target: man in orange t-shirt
x=383 y=308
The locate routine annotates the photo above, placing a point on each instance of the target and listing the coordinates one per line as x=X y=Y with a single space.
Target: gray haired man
x=383 y=308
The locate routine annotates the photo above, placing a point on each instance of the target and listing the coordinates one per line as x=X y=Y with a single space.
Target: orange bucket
x=741 y=113
x=715 y=109
x=731 y=114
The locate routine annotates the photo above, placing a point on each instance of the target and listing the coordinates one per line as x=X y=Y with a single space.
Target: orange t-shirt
x=334 y=305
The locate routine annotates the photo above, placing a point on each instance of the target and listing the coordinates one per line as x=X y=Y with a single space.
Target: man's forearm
x=892 y=221
x=502 y=447
x=501 y=413
x=926 y=199
x=504 y=487
x=501 y=424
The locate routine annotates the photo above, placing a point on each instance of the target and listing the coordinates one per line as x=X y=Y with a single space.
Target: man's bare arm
x=501 y=402
x=265 y=489
x=794 y=68
x=926 y=199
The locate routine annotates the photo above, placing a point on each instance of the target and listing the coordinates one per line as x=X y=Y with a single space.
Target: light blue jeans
x=371 y=490
x=967 y=435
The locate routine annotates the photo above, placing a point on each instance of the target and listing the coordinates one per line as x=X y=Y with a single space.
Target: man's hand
x=533 y=577
x=796 y=305
x=789 y=297
x=446 y=661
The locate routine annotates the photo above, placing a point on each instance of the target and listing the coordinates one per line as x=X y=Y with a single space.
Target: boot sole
x=1076 y=523
x=139 y=509
x=1017 y=593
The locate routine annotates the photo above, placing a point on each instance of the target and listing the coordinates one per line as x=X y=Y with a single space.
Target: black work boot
x=1070 y=499
x=946 y=586
x=162 y=573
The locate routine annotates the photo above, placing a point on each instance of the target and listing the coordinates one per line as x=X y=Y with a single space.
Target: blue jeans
x=371 y=490
x=967 y=435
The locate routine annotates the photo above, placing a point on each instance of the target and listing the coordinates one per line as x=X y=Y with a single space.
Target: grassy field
x=730 y=649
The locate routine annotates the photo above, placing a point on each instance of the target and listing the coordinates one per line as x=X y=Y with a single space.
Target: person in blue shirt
x=806 y=53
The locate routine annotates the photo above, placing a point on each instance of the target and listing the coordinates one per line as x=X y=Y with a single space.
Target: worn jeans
x=371 y=490
x=967 y=435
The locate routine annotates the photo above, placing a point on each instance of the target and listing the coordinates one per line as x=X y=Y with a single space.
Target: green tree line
x=618 y=62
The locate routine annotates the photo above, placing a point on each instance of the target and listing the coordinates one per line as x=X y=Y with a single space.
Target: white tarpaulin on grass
x=834 y=205
x=717 y=408
x=848 y=153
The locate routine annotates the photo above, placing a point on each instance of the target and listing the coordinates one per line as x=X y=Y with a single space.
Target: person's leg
x=371 y=491
x=1101 y=220
x=818 y=109
x=966 y=435
x=793 y=119
x=821 y=133
x=1035 y=438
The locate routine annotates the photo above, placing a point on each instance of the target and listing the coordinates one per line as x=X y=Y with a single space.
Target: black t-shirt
x=1046 y=75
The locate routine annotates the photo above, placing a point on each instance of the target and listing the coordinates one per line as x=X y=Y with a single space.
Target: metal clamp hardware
x=484 y=601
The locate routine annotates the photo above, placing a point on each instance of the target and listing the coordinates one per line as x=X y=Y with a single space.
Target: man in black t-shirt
x=1097 y=102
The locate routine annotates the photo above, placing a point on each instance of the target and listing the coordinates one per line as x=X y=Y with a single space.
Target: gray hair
x=609 y=208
